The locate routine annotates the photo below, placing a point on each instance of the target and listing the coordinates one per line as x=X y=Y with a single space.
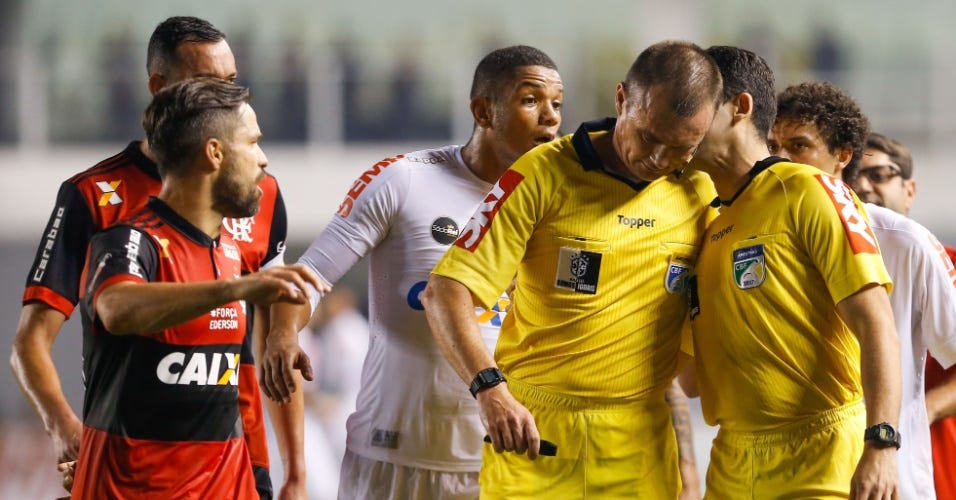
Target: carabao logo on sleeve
x=476 y=228
x=578 y=270
x=132 y=253
x=858 y=231
x=750 y=267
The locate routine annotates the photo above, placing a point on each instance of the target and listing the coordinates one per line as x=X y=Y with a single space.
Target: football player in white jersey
x=885 y=178
x=819 y=125
x=416 y=431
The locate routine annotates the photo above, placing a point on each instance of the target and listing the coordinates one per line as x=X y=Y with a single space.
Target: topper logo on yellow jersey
x=857 y=230
x=479 y=223
x=199 y=368
x=109 y=195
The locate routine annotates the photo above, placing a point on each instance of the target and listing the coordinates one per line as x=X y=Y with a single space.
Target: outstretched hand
x=280 y=284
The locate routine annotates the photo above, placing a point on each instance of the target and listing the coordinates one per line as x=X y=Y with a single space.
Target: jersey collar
x=177 y=221
x=587 y=155
x=758 y=167
x=140 y=160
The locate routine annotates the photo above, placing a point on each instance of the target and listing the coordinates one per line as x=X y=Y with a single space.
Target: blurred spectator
x=292 y=104
x=828 y=56
x=285 y=91
x=123 y=111
x=408 y=118
x=9 y=33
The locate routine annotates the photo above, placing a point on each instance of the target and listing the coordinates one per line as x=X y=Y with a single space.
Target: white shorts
x=363 y=478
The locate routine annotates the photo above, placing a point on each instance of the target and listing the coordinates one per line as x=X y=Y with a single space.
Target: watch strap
x=486 y=379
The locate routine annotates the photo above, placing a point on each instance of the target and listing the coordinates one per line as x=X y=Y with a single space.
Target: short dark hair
x=744 y=71
x=834 y=113
x=898 y=153
x=690 y=74
x=170 y=34
x=496 y=68
x=183 y=116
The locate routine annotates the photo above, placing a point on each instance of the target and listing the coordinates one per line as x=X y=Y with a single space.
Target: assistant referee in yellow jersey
x=790 y=288
x=599 y=230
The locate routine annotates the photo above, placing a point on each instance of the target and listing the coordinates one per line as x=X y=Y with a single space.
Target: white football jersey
x=924 y=305
x=412 y=409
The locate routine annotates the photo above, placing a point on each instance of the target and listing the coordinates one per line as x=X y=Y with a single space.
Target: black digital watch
x=486 y=379
x=882 y=435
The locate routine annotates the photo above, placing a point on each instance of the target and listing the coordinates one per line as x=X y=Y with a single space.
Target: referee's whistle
x=547 y=448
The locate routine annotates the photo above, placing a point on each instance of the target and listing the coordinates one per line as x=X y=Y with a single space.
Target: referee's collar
x=588 y=156
x=754 y=171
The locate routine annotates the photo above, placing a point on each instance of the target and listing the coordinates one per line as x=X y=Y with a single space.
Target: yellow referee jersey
x=770 y=347
x=601 y=265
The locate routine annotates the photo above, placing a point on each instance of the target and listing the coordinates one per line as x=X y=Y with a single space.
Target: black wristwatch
x=882 y=435
x=486 y=379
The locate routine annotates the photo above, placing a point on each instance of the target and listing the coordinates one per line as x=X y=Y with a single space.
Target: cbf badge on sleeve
x=677 y=274
x=578 y=270
x=750 y=267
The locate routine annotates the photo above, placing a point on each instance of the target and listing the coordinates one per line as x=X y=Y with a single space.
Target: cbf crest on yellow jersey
x=601 y=263
x=773 y=265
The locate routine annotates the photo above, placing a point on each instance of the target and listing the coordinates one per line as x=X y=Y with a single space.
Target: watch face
x=489 y=376
x=882 y=435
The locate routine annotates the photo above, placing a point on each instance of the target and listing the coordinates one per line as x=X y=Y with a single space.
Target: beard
x=232 y=199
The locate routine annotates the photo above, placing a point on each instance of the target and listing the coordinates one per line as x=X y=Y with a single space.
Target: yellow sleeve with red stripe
x=843 y=248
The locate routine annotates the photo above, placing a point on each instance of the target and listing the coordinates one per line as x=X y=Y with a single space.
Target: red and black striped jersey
x=161 y=410
x=111 y=191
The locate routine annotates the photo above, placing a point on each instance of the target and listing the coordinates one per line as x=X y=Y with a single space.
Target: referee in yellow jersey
x=599 y=230
x=792 y=324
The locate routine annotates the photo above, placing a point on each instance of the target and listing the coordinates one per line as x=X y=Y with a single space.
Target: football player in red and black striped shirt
x=180 y=48
x=164 y=310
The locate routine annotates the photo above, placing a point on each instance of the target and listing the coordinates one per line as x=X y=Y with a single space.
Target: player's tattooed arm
x=680 y=417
